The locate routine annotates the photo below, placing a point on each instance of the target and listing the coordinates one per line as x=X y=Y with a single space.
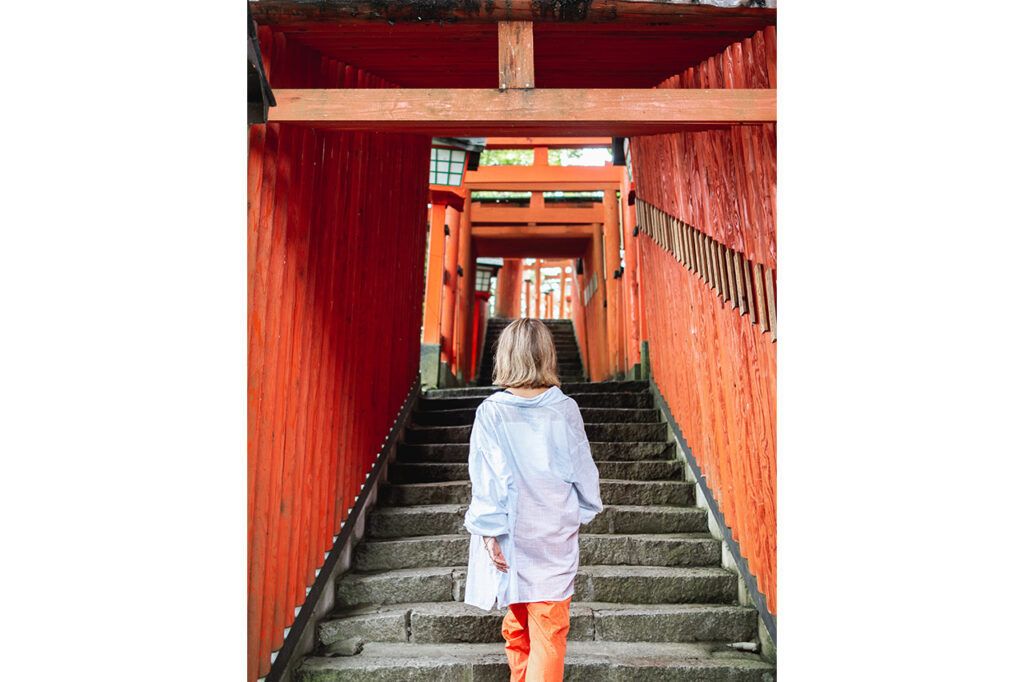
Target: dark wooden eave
x=743 y=14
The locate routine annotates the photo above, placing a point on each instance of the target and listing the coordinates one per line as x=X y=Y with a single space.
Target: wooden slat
x=730 y=266
x=515 y=54
x=762 y=307
x=480 y=112
x=769 y=283
x=738 y=263
x=748 y=286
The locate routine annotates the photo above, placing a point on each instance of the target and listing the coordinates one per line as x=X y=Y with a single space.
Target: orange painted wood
x=531 y=232
x=714 y=364
x=610 y=230
x=466 y=305
x=549 y=142
x=311 y=438
x=464 y=111
x=504 y=214
x=515 y=54
x=450 y=286
x=435 y=274
x=509 y=288
x=561 y=290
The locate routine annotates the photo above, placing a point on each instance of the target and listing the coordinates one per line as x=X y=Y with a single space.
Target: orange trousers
x=535 y=634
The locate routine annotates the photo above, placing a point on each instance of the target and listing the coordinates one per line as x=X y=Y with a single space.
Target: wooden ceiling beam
x=697 y=13
x=479 y=112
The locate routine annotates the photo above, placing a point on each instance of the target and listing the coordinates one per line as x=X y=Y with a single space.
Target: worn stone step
x=447 y=519
x=620 y=584
x=600 y=432
x=679 y=493
x=434 y=622
x=606 y=452
x=428 y=622
x=625 y=400
x=636 y=549
x=584 y=662
x=569 y=388
x=430 y=472
x=656 y=584
x=600 y=415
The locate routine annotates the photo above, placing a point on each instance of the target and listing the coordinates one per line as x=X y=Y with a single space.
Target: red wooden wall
x=716 y=370
x=336 y=243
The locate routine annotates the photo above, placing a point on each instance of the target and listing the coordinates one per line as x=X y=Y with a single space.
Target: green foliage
x=562 y=157
x=506 y=157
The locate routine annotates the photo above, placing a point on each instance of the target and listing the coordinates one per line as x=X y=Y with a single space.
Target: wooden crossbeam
x=617 y=112
x=549 y=142
x=699 y=14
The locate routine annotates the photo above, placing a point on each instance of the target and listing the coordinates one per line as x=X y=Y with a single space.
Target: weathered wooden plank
x=739 y=262
x=706 y=14
x=769 y=284
x=528 y=111
x=515 y=54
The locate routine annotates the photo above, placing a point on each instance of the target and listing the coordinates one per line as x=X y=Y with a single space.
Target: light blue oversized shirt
x=534 y=482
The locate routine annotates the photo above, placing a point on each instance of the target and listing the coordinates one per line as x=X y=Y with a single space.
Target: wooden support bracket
x=515 y=54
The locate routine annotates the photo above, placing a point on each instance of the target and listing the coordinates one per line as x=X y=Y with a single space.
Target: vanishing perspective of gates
x=384 y=258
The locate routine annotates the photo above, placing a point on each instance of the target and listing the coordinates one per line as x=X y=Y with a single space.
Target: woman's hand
x=494 y=550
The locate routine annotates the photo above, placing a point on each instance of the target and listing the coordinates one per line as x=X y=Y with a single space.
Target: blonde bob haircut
x=526 y=356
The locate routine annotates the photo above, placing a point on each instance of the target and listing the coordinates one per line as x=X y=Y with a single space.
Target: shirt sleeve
x=488 y=510
x=586 y=479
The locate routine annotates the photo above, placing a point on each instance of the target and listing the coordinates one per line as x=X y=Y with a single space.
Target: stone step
x=569 y=388
x=434 y=472
x=668 y=549
x=596 y=415
x=625 y=400
x=428 y=622
x=584 y=662
x=658 y=431
x=620 y=584
x=678 y=493
x=447 y=519
x=606 y=452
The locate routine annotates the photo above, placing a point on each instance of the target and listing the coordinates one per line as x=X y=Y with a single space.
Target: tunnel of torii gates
x=574 y=235
x=669 y=277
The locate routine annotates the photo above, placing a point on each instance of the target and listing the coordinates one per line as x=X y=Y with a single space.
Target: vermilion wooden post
x=464 y=347
x=611 y=254
x=536 y=287
x=435 y=275
x=508 y=290
x=561 y=290
x=450 y=285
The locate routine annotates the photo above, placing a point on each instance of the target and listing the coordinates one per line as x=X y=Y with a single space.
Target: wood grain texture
x=315 y=420
x=525 y=111
x=716 y=371
x=515 y=54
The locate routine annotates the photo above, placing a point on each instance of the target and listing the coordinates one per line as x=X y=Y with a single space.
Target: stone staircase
x=570 y=367
x=652 y=601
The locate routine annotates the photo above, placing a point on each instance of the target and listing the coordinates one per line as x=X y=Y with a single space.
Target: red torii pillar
x=509 y=288
x=449 y=290
x=612 y=289
x=561 y=290
x=466 y=305
x=537 y=288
